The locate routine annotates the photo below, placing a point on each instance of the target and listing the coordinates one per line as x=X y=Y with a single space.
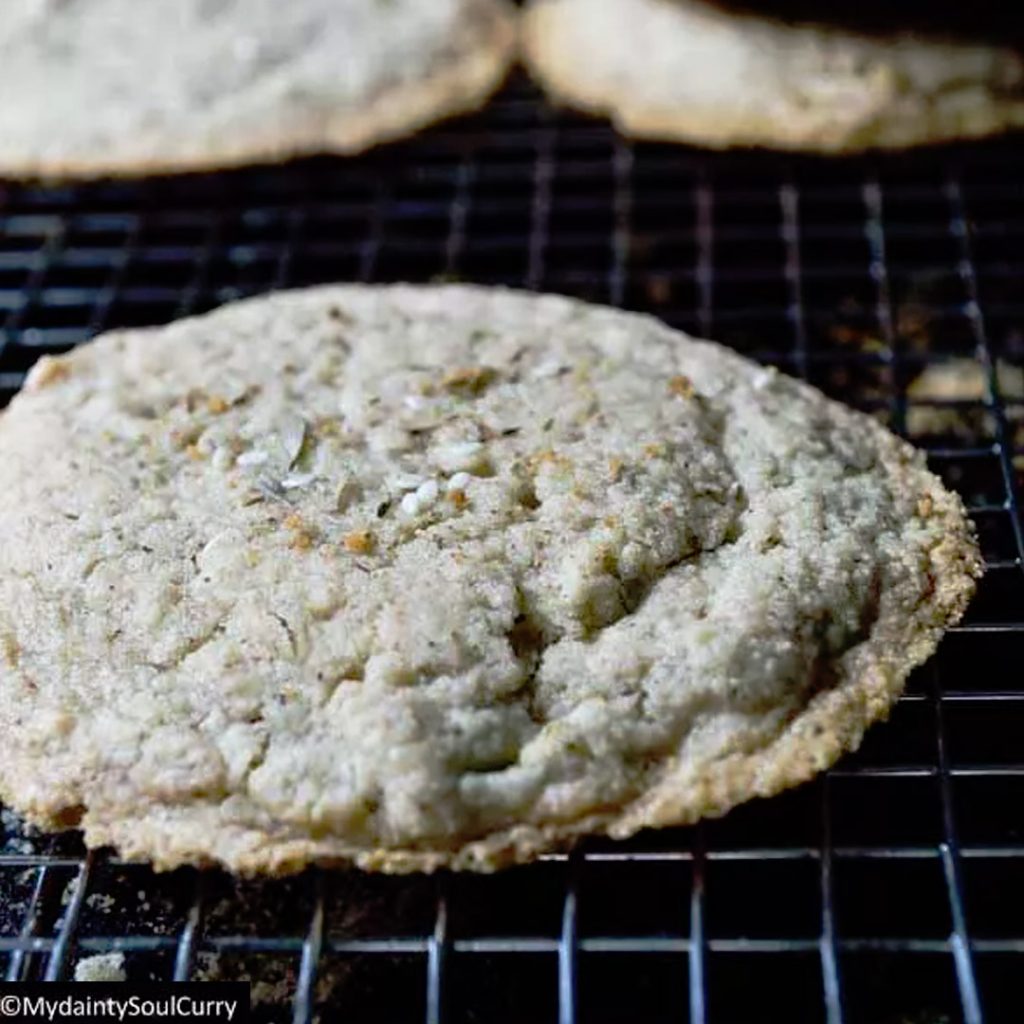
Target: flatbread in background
x=118 y=87
x=423 y=577
x=691 y=71
x=951 y=398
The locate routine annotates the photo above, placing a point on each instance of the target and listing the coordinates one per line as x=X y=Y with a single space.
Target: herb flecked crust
x=415 y=577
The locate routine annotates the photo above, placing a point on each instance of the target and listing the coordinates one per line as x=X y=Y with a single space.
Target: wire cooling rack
x=889 y=891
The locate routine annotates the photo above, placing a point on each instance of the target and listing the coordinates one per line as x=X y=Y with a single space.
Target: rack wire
x=889 y=891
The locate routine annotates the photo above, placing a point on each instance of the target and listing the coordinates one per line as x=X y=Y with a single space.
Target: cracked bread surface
x=690 y=71
x=99 y=87
x=442 y=576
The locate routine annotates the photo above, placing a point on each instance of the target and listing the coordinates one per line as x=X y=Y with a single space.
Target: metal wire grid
x=889 y=890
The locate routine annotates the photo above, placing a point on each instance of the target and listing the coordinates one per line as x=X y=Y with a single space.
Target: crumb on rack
x=102 y=967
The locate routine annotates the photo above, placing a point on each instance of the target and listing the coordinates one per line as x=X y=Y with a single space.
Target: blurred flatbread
x=689 y=71
x=96 y=87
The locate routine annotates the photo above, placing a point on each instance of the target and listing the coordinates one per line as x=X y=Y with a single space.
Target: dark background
x=990 y=20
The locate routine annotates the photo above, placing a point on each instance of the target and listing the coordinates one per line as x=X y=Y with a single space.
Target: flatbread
x=687 y=71
x=442 y=576
x=102 y=87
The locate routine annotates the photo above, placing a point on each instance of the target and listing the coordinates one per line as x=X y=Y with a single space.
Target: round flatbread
x=421 y=577
x=688 y=71
x=95 y=87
